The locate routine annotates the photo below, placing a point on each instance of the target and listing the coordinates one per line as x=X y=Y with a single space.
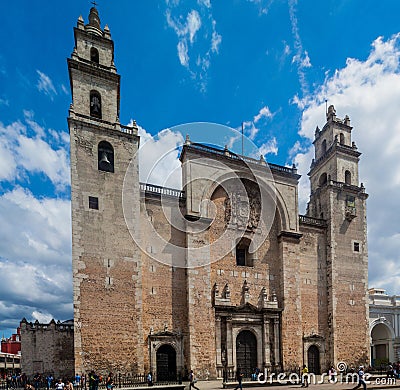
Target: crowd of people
x=41 y=381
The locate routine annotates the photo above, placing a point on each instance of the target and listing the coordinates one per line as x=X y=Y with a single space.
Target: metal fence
x=120 y=381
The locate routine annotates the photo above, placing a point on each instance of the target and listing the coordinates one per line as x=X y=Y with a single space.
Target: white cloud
x=159 y=158
x=183 y=53
x=250 y=127
x=193 y=24
x=45 y=84
x=270 y=147
x=206 y=3
x=44 y=318
x=24 y=153
x=263 y=113
x=35 y=262
x=195 y=32
x=216 y=38
x=263 y=5
x=301 y=57
x=368 y=91
x=64 y=89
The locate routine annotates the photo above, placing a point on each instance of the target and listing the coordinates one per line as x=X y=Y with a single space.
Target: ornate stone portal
x=246 y=336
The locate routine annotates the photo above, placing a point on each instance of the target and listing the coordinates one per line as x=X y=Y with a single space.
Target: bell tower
x=106 y=265
x=339 y=199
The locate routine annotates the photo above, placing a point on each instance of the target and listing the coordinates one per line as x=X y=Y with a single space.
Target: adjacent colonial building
x=47 y=348
x=221 y=273
x=384 y=325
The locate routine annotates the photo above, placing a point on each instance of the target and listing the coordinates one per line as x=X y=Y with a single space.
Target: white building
x=384 y=325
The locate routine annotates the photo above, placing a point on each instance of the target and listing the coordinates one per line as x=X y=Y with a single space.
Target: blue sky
x=270 y=64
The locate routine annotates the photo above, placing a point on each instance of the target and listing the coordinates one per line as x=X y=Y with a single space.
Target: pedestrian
x=59 y=385
x=92 y=380
x=49 y=381
x=36 y=380
x=304 y=376
x=192 y=380
x=68 y=386
x=149 y=379
x=361 y=380
x=239 y=377
x=109 y=381
x=77 y=381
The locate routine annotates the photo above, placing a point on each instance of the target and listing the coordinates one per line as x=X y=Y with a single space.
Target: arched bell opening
x=105 y=157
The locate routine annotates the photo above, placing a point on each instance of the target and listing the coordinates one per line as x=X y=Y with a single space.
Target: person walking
x=361 y=380
x=109 y=381
x=239 y=377
x=49 y=381
x=150 y=379
x=304 y=376
x=192 y=380
x=36 y=380
x=59 y=385
x=68 y=385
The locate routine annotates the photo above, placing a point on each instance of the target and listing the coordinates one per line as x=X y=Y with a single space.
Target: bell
x=104 y=159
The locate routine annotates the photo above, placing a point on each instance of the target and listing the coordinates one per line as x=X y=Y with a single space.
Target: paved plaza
x=377 y=383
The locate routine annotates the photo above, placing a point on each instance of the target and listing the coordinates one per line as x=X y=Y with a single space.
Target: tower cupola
x=94 y=22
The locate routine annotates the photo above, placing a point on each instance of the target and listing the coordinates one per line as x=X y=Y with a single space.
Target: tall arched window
x=94 y=55
x=341 y=139
x=95 y=104
x=105 y=157
x=347 y=177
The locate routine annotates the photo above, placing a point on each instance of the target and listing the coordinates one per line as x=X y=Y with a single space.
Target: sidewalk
x=217 y=385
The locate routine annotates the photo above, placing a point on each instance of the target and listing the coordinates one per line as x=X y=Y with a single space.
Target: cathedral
x=221 y=274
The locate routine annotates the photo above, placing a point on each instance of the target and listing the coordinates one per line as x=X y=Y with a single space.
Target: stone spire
x=94 y=19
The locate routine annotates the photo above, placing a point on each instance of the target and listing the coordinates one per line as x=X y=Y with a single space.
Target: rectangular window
x=356 y=247
x=93 y=202
x=350 y=201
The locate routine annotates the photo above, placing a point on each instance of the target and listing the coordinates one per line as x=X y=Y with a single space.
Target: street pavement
x=376 y=383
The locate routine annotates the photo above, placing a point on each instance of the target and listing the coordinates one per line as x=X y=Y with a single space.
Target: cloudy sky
x=267 y=63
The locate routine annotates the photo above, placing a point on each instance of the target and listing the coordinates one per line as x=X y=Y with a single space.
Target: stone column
x=218 y=339
x=266 y=346
x=277 y=342
x=229 y=342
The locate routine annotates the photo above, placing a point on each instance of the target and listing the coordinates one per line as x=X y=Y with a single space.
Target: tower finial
x=94 y=3
x=94 y=19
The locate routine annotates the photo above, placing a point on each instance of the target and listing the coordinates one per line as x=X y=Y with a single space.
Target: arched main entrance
x=166 y=363
x=246 y=352
x=313 y=360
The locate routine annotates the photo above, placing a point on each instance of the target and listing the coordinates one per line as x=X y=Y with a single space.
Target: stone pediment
x=247 y=308
x=165 y=335
x=314 y=337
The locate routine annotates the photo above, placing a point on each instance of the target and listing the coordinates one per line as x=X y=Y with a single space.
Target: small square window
x=356 y=247
x=93 y=202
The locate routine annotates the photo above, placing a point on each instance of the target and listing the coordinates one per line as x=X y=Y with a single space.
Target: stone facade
x=47 y=348
x=223 y=274
x=384 y=327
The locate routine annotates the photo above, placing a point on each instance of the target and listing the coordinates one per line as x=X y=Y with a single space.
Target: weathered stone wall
x=47 y=348
x=349 y=278
x=164 y=288
x=106 y=261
